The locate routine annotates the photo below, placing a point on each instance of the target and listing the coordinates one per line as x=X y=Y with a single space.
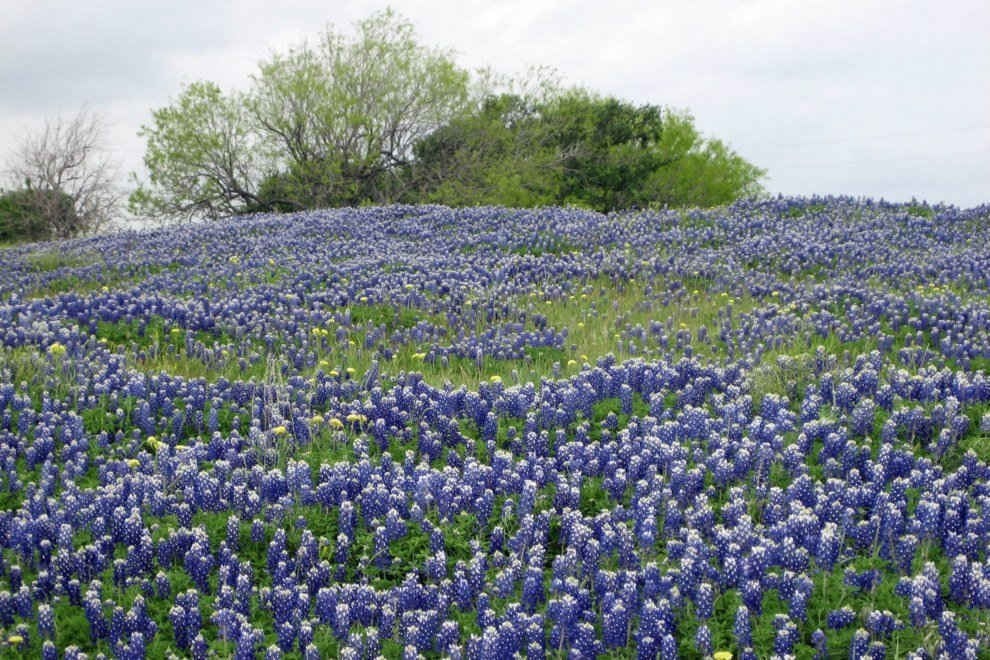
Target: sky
x=881 y=99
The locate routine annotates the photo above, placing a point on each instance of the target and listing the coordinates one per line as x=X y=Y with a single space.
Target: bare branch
x=66 y=161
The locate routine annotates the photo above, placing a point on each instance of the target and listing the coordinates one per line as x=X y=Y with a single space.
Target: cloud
x=56 y=55
x=886 y=98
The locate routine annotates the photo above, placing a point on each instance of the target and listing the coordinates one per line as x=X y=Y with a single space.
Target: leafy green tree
x=496 y=155
x=377 y=118
x=607 y=148
x=342 y=117
x=699 y=171
x=576 y=148
x=322 y=125
x=202 y=157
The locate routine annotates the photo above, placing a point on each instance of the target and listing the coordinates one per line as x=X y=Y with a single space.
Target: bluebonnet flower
x=820 y=643
x=959 y=580
x=704 y=601
x=786 y=637
x=841 y=618
x=742 y=627
x=752 y=595
x=703 y=640
x=882 y=624
x=46 y=621
x=615 y=625
x=954 y=642
x=668 y=648
x=860 y=645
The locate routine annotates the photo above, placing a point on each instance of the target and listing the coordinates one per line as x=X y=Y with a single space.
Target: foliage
x=36 y=215
x=201 y=156
x=577 y=148
x=322 y=125
x=497 y=155
x=607 y=149
x=699 y=171
x=378 y=117
x=343 y=115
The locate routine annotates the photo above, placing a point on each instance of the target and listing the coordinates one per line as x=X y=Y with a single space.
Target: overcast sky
x=857 y=97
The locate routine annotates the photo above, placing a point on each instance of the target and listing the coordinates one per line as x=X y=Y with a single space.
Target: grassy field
x=418 y=431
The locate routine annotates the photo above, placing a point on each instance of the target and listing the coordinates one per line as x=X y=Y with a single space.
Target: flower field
x=761 y=430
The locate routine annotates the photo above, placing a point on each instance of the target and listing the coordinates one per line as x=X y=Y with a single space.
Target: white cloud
x=885 y=98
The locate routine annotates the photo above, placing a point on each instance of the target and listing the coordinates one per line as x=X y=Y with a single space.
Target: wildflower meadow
x=756 y=431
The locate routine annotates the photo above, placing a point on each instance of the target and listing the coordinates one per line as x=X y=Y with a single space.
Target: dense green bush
x=36 y=215
x=580 y=149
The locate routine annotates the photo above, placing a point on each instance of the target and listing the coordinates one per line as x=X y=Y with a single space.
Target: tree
x=63 y=176
x=497 y=155
x=378 y=118
x=330 y=124
x=607 y=148
x=574 y=147
x=202 y=156
x=699 y=171
x=343 y=117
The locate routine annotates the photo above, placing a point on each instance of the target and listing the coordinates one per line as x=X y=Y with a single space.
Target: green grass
x=393 y=317
x=49 y=260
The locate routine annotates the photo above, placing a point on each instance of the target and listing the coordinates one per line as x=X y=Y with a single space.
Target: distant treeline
x=377 y=118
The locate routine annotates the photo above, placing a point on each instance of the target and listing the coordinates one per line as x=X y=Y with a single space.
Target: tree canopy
x=322 y=125
x=577 y=148
x=377 y=117
x=202 y=156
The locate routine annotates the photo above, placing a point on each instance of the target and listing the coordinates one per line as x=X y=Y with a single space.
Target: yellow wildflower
x=56 y=350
